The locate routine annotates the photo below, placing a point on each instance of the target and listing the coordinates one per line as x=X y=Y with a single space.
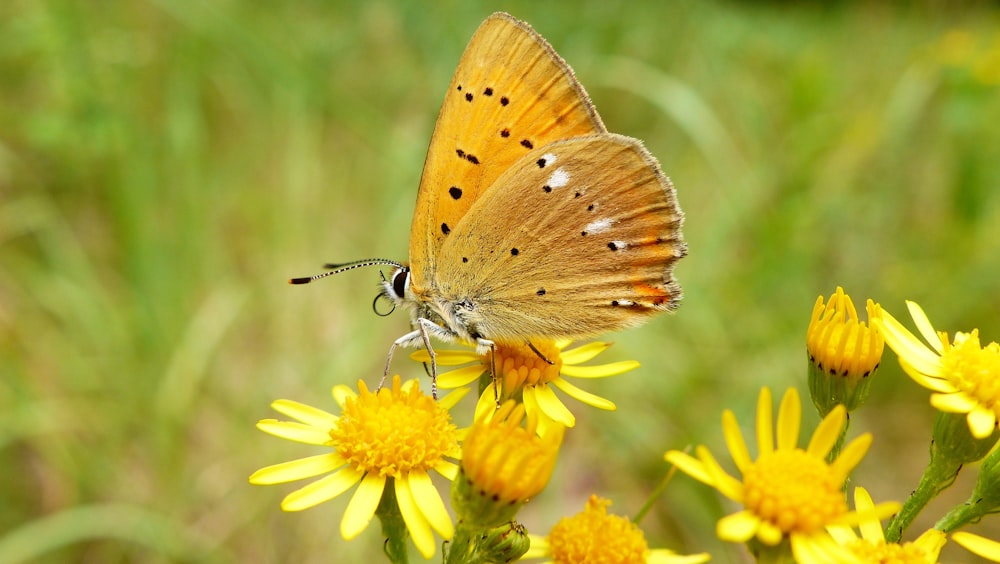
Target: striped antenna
x=343 y=267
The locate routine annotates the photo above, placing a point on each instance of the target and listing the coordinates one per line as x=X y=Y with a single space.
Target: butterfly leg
x=424 y=327
x=539 y=353
x=407 y=340
x=481 y=346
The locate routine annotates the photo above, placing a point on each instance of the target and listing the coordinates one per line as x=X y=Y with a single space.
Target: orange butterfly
x=532 y=220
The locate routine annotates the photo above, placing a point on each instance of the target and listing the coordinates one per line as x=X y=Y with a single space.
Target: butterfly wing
x=510 y=94
x=582 y=238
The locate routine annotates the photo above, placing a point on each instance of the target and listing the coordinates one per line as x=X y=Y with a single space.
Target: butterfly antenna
x=344 y=267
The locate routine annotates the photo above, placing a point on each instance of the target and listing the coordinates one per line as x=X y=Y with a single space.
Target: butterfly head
x=396 y=288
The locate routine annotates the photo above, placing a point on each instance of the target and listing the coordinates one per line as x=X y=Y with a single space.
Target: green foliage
x=165 y=166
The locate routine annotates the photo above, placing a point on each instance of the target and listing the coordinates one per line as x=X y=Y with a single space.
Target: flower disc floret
x=793 y=491
x=393 y=432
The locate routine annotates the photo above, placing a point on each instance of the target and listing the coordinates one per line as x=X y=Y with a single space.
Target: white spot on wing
x=626 y=303
x=558 y=179
x=549 y=158
x=619 y=245
x=598 y=226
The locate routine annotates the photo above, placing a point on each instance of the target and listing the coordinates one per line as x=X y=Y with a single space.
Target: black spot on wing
x=468 y=96
x=504 y=100
x=455 y=192
x=505 y=133
x=527 y=144
x=445 y=229
x=540 y=292
x=541 y=163
x=488 y=91
x=514 y=252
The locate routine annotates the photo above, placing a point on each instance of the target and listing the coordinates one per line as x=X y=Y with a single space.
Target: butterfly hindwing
x=510 y=94
x=576 y=238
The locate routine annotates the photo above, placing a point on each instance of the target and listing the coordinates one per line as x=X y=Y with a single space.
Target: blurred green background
x=166 y=165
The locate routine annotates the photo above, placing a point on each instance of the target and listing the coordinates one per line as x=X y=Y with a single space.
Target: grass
x=165 y=166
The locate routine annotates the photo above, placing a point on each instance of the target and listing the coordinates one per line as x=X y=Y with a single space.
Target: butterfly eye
x=400 y=280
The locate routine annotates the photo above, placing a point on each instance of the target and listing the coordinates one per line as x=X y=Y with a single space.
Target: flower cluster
x=790 y=498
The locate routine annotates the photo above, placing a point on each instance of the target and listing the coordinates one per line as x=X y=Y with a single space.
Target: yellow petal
x=341 y=394
x=851 y=455
x=429 y=502
x=933 y=383
x=600 y=370
x=460 y=377
x=789 y=420
x=584 y=396
x=879 y=512
x=321 y=490
x=298 y=469
x=769 y=533
x=447 y=357
x=765 y=429
x=362 y=506
x=842 y=534
x=734 y=441
x=721 y=480
x=415 y=519
x=924 y=326
x=820 y=548
x=689 y=465
x=978 y=545
x=305 y=413
x=550 y=404
x=664 y=556
x=738 y=527
x=827 y=432
x=450 y=400
x=908 y=346
x=447 y=469
x=953 y=403
x=982 y=422
x=293 y=431
x=871 y=530
x=583 y=353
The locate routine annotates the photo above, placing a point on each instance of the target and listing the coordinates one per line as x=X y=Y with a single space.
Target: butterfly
x=532 y=221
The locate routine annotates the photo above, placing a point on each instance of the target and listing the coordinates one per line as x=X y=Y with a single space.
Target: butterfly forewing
x=591 y=233
x=510 y=94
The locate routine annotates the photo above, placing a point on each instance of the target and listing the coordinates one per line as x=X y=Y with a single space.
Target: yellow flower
x=964 y=376
x=395 y=435
x=872 y=547
x=504 y=464
x=524 y=376
x=787 y=492
x=595 y=537
x=986 y=548
x=843 y=352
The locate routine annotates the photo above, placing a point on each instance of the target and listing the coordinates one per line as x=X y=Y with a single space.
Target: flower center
x=794 y=491
x=907 y=553
x=519 y=366
x=594 y=536
x=973 y=369
x=393 y=431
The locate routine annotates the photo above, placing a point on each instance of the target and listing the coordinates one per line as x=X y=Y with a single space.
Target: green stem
x=938 y=475
x=656 y=493
x=959 y=516
x=462 y=548
x=393 y=526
